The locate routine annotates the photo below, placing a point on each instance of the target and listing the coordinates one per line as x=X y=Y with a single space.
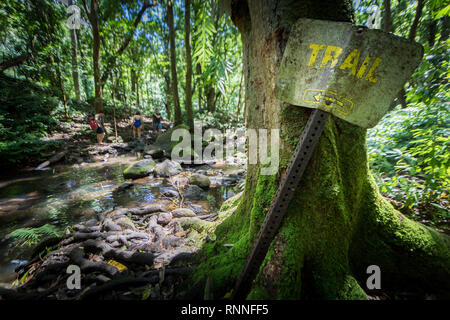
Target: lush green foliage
x=409 y=153
x=26 y=116
x=409 y=148
x=31 y=236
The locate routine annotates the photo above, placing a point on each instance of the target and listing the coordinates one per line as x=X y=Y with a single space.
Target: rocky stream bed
x=129 y=217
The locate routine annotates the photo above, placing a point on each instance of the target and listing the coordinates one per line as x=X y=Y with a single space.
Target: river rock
x=170 y=193
x=193 y=192
x=139 y=169
x=167 y=168
x=164 y=218
x=183 y=212
x=231 y=179
x=200 y=180
x=156 y=153
x=124 y=185
x=196 y=208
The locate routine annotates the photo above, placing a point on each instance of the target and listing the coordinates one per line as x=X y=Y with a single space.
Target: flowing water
x=66 y=195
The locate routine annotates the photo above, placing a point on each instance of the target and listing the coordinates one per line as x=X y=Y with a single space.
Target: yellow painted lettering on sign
x=363 y=68
x=331 y=54
x=351 y=61
x=372 y=69
x=331 y=57
x=315 y=51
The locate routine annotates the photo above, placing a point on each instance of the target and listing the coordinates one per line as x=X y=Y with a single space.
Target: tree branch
x=15 y=61
x=112 y=60
x=413 y=30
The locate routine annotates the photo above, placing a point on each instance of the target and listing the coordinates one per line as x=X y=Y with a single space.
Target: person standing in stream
x=136 y=123
x=157 y=121
x=100 y=119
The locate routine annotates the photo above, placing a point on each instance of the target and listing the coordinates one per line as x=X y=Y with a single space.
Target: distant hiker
x=100 y=120
x=157 y=121
x=136 y=123
x=93 y=123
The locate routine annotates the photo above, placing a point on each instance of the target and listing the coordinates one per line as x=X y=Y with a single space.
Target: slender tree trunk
x=98 y=87
x=199 y=86
x=113 y=87
x=61 y=87
x=413 y=30
x=387 y=19
x=432 y=30
x=210 y=98
x=411 y=36
x=168 y=104
x=137 y=93
x=445 y=28
x=173 y=65
x=75 y=76
x=187 y=44
x=337 y=223
x=239 y=95
x=83 y=62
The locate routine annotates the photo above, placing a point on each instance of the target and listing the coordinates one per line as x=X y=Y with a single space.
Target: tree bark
x=337 y=223
x=445 y=28
x=210 y=98
x=413 y=30
x=173 y=65
x=13 y=62
x=387 y=19
x=187 y=44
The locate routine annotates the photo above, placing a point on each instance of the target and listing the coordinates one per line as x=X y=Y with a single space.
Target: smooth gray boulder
x=167 y=168
x=200 y=180
x=139 y=169
x=193 y=192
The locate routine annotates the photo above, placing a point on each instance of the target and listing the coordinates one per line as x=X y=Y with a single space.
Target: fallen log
x=53 y=159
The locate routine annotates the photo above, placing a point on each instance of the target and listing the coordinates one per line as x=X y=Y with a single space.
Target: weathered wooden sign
x=352 y=72
x=334 y=67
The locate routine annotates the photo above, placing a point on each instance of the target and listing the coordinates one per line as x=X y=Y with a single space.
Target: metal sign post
x=351 y=72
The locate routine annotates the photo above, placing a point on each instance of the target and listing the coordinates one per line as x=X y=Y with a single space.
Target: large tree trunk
x=337 y=223
x=187 y=44
x=173 y=65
